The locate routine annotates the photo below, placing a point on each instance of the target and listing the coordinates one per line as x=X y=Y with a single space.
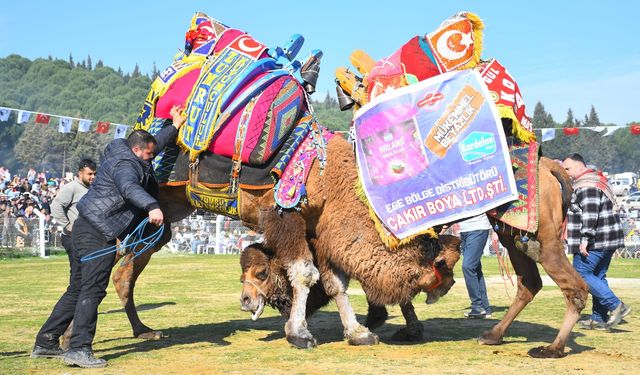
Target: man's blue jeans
x=593 y=269
x=472 y=246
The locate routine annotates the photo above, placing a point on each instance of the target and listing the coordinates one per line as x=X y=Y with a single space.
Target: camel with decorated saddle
x=249 y=124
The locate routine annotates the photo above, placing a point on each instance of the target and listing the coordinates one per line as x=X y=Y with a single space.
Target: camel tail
x=565 y=183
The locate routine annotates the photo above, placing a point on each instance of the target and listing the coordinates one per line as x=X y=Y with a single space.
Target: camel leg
x=285 y=233
x=124 y=280
x=575 y=290
x=529 y=284
x=335 y=286
x=414 y=330
x=376 y=315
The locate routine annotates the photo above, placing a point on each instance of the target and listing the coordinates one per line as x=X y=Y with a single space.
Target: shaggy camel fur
x=333 y=217
x=264 y=282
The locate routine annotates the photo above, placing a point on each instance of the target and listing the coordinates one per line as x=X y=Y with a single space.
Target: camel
x=387 y=277
x=333 y=216
x=546 y=248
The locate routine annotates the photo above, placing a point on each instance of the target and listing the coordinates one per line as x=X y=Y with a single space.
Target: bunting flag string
x=64 y=122
x=548 y=134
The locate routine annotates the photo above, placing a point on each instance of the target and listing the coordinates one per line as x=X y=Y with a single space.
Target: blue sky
x=566 y=54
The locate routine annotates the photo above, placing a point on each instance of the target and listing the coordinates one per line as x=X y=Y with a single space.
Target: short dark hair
x=87 y=163
x=576 y=157
x=140 y=138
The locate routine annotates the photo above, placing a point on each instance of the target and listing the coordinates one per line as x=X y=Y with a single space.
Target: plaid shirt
x=591 y=220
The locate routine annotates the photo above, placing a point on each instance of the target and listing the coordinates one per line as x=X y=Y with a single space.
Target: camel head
x=437 y=281
x=264 y=281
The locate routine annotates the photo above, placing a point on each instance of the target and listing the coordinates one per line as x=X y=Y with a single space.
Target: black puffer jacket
x=125 y=187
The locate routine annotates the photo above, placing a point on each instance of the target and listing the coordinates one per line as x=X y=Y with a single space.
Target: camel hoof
x=367 y=338
x=302 y=342
x=545 y=352
x=406 y=335
x=152 y=335
x=487 y=339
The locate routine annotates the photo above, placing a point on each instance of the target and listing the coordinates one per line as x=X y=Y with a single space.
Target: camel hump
x=563 y=178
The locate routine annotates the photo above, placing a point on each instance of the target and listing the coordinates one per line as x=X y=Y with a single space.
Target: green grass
x=195 y=299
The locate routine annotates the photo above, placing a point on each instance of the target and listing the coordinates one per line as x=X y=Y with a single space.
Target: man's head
x=574 y=165
x=142 y=144
x=86 y=171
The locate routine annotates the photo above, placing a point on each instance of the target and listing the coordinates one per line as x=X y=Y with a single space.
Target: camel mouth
x=258 y=310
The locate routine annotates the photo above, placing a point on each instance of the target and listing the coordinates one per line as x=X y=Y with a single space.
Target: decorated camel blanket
x=522 y=213
x=247 y=114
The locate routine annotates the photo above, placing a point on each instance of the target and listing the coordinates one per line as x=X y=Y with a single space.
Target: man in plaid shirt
x=593 y=234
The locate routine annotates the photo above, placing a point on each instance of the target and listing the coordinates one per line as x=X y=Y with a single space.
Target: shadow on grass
x=143 y=307
x=327 y=328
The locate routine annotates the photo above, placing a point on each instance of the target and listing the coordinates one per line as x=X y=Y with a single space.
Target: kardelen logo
x=431 y=99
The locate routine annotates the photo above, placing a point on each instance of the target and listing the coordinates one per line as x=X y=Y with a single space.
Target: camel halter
x=438 y=278
x=255 y=286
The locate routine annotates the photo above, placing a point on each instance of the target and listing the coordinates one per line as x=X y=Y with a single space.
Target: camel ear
x=440 y=262
x=254 y=254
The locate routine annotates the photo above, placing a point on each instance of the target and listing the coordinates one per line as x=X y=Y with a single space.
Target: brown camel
x=387 y=277
x=333 y=217
x=546 y=247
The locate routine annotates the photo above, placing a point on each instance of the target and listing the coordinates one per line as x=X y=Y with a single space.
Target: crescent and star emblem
x=446 y=51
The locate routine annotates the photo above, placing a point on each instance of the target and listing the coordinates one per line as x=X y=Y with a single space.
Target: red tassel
x=571 y=131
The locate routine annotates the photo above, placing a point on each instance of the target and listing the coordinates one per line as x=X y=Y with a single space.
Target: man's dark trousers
x=87 y=287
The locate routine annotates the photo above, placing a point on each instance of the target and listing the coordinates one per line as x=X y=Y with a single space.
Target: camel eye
x=262 y=275
x=441 y=264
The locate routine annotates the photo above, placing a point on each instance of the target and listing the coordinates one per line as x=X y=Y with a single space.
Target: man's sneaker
x=616 y=315
x=83 y=358
x=593 y=324
x=585 y=323
x=42 y=352
x=476 y=314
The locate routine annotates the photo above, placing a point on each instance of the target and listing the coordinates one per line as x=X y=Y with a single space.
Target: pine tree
x=136 y=71
x=99 y=64
x=570 y=122
x=154 y=73
x=593 y=119
x=89 y=66
x=71 y=60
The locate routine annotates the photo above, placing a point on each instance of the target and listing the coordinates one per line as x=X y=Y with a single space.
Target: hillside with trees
x=82 y=89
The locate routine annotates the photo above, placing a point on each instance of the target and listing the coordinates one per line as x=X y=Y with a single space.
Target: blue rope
x=132 y=240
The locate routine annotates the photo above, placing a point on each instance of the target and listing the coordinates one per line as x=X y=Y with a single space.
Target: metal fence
x=204 y=233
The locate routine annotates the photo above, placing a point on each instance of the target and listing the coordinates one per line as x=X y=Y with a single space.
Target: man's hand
x=583 y=249
x=156 y=217
x=177 y=112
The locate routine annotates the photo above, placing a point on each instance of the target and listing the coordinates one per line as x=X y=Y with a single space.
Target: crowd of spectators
x=21 y=198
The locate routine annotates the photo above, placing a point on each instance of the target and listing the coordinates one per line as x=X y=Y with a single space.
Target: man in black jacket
x=124 y=192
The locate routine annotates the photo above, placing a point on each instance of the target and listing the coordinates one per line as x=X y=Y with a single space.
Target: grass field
x=195 y=300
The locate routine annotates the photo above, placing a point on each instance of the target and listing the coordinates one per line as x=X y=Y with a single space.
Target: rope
x=503 y=266
x=132 y=240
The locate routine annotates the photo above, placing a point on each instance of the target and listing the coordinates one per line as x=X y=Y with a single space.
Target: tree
x=542 y=119
x=136 y=71
x=593 y=119
x=570 y=122
x=71 y=60
x=89 y=66
x=99 y=64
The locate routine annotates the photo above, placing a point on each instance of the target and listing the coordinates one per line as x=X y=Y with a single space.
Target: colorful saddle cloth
x=242 y=99
x=172 y=165
x=523 y=213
